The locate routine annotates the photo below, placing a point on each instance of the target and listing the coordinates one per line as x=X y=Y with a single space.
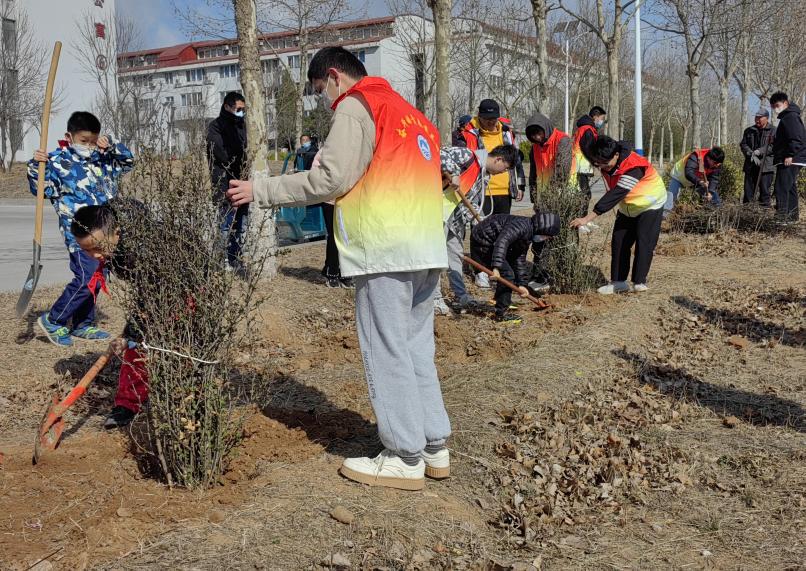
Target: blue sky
x=160 y=25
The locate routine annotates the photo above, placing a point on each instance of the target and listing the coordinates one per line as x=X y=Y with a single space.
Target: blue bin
x=305 y=223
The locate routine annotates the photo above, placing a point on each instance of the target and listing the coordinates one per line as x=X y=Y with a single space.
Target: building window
x=194 y=75
x=169 y=101
x=233 y=70
x=169 y=77
x=293 y=62
x=191 y=99
x=361 y=55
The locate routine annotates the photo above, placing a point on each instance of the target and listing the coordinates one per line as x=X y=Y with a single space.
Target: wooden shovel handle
x=82 y=385
x=43 y=142
x=536 y=300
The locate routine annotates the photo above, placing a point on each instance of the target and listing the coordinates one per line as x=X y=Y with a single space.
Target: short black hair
x=232 y=97
x=338 y=58
x=596 y=110
x=779 y=97
x=83 y=121
x=603 y=149
x=716 y=154
x=88 y=219
x=509 y=154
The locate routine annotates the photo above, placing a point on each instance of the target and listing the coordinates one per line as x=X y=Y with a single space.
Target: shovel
x=36 y=267
x=536 y=300
x=52 y=425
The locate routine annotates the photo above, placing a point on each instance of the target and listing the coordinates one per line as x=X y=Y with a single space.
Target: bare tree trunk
x=694 y=99
x=744 y=87
x=301 y=82
x=539 y=14
x=651 y=140
x=613 y=104
x=442 y=40
x=684 y=141
x=256 y=125
x=723 y=110
x=662 y=147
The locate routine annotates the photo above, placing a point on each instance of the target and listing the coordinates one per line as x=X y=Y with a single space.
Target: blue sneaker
x=56 y=334
x=90 y=333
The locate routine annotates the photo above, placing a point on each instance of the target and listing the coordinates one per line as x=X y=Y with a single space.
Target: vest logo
x=425 y=148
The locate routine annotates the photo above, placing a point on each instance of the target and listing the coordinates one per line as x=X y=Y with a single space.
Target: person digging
x=381 y=164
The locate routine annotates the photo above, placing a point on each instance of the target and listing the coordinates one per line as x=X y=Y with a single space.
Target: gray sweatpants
x=395 y=321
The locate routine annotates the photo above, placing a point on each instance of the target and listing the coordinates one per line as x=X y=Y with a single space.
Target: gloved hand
x=546 y=224
x=758 y=153
x=755 y=159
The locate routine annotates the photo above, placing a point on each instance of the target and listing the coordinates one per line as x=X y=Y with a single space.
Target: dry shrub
x=183 y=299
x=730 y=216
x=571 y=262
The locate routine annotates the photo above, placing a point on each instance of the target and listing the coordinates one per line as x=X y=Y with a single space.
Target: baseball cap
x=489 y=109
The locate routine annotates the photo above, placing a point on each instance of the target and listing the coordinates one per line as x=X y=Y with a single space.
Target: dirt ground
x=664 y=430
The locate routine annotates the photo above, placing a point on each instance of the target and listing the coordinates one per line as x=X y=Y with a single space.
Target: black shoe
x=508 y=319
x=332 y=282
x=346 y=283
x=118 y=418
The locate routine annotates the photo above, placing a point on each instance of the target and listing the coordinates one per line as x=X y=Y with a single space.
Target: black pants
x=503 y=295
x=538 y=273
x=332 y=268
x=585 y=189
x=641 y=231
x=750 y=178
x=786 y=192
x=501 y=204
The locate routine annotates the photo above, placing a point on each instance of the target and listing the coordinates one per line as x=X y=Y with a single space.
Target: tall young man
x=381 y=164
x=789 y=155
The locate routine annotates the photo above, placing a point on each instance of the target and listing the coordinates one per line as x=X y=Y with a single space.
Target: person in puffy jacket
x=789 y=155
x=501 y=243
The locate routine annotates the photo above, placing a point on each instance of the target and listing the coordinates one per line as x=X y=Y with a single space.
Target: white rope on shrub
x=148 y=347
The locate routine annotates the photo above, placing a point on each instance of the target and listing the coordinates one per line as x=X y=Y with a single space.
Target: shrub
x=188 y=304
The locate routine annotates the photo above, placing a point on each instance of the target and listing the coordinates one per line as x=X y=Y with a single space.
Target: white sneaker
x=615 y=287
x=483 y=280
x=437 y=465
x=592 y=226
x=539 y=287
x=584 y=229
x=386 y=469
x=441 y=308
x=640 y=287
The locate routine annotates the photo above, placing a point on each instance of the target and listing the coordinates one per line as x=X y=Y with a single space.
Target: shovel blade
x=50 y=431
x=31 y=281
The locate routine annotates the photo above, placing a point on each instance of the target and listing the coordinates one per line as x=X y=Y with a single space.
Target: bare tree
x=725 y=55
x=609 y=27
x=256 y=124
x=441 y=10
x=540 y=14
x=778 y=60
x=694 y=22
x=22 y=81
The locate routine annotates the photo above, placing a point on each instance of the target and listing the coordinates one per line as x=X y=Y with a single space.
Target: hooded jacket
x=754 y=139
x=790 y=137
x=226 y=150
x=504 y=236
x=562 y=159
x=585 y=142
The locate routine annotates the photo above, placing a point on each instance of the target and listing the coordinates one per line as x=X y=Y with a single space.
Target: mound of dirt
x=89 y=497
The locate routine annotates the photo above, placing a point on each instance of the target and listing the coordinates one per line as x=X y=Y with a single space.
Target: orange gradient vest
x=544 y=159
x=467 y=179
x=648 y=194
x=679 y=170
x=579 y=164
x=391 y=220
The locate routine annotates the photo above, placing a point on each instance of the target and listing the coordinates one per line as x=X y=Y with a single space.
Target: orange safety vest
x=579 y=163
x=679 y=170
x=544 y=159
x=391 y=220
x=648 y=194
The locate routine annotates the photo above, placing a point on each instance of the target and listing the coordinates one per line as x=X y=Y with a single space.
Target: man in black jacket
x=226 y=149
x=501 y=242
x=758 y=169
x=789 y=155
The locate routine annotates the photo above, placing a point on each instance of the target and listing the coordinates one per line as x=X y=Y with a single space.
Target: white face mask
x=326 y=99
x=599 y=124
x=83 y=151
x=777 y=110
x=239 y=113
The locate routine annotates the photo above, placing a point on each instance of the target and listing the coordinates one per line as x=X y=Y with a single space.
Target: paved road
x=16 y=237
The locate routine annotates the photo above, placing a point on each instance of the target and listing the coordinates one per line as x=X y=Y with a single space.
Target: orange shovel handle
x=81 y=387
